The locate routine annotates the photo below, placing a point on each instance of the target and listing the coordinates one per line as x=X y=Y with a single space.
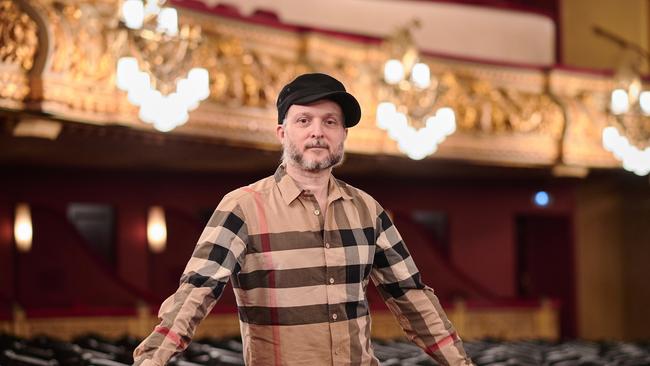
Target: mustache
x=317 y=144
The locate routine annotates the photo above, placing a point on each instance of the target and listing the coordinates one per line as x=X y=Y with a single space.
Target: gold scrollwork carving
x=18 y=36
x=83 y=40
x=240 y=76
x=18 y=44
x=481 y=107
x=80 y=69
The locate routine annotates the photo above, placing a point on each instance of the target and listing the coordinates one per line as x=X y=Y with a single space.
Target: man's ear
x=279 y=133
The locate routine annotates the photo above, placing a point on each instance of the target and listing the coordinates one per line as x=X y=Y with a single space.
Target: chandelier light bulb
x=200 y=82
x=184 y=90
x=447 y=120
x=644 y=102
x=177 y=110
x=393 y=71
x=619 y=101
x=133 y=13
x=634 y=89
x=151 y=7
x=127 y=68
x=421 y=75
x=633 y=159
x=168 y=21
x=385 y=113
x=416 y=143
x=610 y=135
x=151 y=107
x=398 y=127
x=187 y=94
x=140 y=88
x=623 y=150
x=170 y=113
x=164 y=124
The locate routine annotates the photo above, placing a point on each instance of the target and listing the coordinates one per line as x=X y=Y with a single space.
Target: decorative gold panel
x=505 y=115
x=18 y=35
x=18 y=44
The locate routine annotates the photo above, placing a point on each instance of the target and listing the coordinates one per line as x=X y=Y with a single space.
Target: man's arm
x=415 y=306
x=217 y=255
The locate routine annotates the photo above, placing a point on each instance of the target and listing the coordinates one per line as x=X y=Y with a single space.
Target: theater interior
x=528 y=211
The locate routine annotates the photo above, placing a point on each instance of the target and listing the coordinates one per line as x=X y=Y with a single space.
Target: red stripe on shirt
x=266 y=248
x=171 y=335
x=442 y=343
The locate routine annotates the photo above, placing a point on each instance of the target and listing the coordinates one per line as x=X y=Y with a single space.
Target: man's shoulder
x=246 y=193
x=356 y=193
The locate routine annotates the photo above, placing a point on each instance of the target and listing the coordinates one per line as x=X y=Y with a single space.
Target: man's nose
x=317 y=129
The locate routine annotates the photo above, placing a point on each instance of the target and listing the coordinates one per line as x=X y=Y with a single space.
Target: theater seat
x=11 y=358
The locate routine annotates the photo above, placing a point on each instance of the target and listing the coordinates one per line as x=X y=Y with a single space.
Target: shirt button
x=327 y=245
x=331 y=280
x=334 y=316
x=316 y=212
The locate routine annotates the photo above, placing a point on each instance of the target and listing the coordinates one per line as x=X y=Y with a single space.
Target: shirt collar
x=290 y=191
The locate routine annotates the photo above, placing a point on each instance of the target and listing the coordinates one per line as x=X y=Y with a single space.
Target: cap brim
x=348 y=103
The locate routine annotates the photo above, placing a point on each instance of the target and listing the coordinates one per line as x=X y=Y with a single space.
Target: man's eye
x=303 y=120
x=332 y=122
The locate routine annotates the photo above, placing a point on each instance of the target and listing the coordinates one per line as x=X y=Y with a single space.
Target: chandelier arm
x=621 y=42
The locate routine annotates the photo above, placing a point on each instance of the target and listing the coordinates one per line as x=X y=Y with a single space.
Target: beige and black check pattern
x=300 y=279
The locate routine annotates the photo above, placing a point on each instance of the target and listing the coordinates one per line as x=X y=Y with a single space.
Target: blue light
x=542 y=199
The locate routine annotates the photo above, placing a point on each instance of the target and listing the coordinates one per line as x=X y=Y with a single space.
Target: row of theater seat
x=94 y=350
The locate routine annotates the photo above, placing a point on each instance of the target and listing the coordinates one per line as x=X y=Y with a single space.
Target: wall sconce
x=156 y=229
x=23 y=230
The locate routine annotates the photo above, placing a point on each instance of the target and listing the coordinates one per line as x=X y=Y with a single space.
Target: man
x=300 y=247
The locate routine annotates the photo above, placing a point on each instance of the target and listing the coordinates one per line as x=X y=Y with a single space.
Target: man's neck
x=314 y=182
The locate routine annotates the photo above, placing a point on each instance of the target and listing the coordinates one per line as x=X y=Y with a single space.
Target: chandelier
x=627 y=136
x=157 y=74
x=408 y=95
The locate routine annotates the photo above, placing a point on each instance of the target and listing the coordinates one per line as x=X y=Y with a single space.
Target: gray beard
x=291 y=154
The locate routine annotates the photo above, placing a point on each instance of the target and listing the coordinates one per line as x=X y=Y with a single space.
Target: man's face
x=313 y=135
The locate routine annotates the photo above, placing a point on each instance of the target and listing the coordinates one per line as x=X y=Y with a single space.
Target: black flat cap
x=308 y=88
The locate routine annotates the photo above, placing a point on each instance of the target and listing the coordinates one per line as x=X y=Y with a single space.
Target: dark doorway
x=545 y=264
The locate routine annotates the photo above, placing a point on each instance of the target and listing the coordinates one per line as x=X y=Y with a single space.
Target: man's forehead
x=319 y=107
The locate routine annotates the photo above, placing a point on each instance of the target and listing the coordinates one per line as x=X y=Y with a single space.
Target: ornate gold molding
x=18 y=44
x=505 y=115
x=18 y=35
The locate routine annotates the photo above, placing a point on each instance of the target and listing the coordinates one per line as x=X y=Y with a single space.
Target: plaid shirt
x=300 y=278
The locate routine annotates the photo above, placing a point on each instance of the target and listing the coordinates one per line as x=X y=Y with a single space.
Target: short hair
x=283 y=157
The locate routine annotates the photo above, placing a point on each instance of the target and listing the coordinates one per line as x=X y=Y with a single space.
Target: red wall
x=481 y=230
x=481 y=220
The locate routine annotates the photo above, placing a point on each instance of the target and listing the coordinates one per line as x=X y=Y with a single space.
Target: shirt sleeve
x=414 y=304
x=217 y=255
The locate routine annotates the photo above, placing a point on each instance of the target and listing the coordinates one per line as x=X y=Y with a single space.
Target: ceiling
x=506 y=31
